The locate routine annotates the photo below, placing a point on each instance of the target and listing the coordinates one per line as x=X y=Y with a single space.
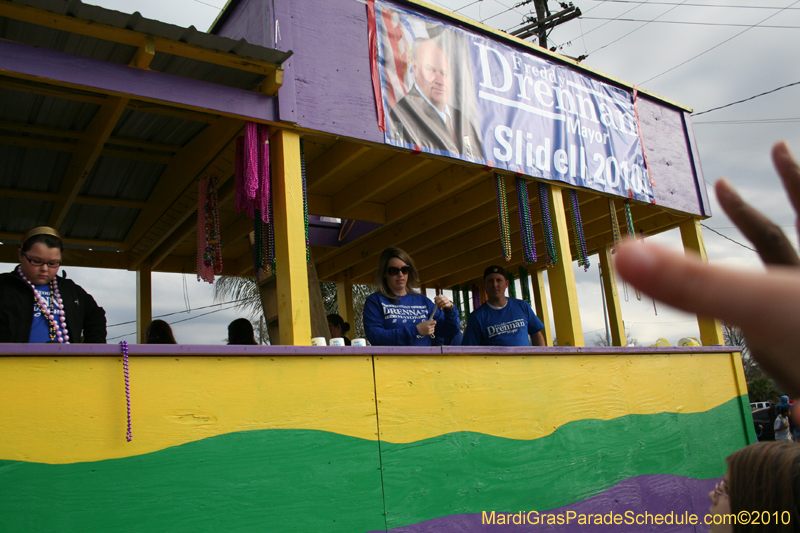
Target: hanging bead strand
x=125 y=369
x=512 y=287
x=632 y=234
x=577 y=228
x=612 y=209
x=53 y=312
x=502 y=216
x=524 y=284
x=551 y=254
x=525 y=222
x=305 y=198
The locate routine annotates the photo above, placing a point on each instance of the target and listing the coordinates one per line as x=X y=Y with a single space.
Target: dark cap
x=494 y=269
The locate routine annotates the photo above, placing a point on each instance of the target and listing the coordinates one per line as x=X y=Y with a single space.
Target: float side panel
x=463 y=435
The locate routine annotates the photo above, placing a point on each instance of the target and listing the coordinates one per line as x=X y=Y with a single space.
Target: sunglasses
x=393 y=271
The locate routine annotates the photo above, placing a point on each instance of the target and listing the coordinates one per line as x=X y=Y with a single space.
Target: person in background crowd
x=38 y=306
x=240 y=331
x=397 y=315
x=764 y=305
x=338 y=327
x=782 y=431
x=502 y=321
x=159 y=332
x=762 y=479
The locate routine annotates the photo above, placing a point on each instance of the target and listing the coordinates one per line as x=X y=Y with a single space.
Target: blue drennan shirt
x=394 y=323
x=509 y=326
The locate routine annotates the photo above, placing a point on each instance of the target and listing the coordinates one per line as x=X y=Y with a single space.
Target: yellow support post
x=344 y=293
x=615 y=323
x=144 y=302
x=294 y=314
x=692 y=237
x=562 y=278
x=540 y=301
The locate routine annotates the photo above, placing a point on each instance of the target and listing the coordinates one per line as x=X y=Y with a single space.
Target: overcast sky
x=700 y=53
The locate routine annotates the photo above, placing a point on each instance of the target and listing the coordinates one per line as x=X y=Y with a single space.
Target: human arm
x=376 y=329
x=538 y=339
x=535 y=327
x=472 y=334
x=764 y=305
x=447 y=321
x=94 y=322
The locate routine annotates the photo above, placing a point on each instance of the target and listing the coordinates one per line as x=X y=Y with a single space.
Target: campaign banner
x=450 y=92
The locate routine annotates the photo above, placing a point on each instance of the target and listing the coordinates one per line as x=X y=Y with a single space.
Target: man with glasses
x=502 y=321
x=37 y=306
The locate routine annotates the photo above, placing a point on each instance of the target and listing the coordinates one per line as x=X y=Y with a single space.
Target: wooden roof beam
x=92 y=243
x=395 y=169
x=89 y=28
x=477 y=260
x=375 y=243
x=435 y=245
x=86 y=152
x=331 y=161
x=181 y=173
x=86 y=200
x=367 y=211
x=68 y=146
x=448 y=182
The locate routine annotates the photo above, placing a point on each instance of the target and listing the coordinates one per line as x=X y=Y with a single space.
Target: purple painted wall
x=64 y=68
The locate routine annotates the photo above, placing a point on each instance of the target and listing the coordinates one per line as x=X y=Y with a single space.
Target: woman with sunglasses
x=398 y=315
x=37 y=306
x=761 y=488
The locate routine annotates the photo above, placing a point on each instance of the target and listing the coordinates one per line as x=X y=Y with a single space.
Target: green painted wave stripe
x=305 y=480
x=579 y=460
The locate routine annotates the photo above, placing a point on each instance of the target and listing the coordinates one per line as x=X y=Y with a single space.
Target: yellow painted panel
x=528 y=397
x=72 y=409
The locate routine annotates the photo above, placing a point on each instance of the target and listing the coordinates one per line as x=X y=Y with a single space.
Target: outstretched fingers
x=789 y=170
x=769 y=240
x=747 y=299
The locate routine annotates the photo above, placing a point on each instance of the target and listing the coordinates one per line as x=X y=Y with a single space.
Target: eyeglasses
x=38 y=263
x=393 y=271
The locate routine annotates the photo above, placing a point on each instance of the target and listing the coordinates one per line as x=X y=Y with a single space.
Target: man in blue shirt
x=502 y=321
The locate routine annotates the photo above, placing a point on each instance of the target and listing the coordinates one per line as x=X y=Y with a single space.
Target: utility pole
x=544 y=20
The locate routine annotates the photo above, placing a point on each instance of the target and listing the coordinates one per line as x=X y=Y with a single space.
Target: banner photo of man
x=449 y=92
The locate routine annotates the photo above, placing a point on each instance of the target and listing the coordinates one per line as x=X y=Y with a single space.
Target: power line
x=636 y=29
x=745 y=100
x=466 y=6
x=754 y=121
x=181 y=312
x=597 y=27
x=691 y=5
x=726 y=237
x=176 y=322
x=209 y=5
x=716 y=45
x=691 y=23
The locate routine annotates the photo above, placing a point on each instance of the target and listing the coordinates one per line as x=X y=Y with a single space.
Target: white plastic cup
x=337 y=341
x=318 y=341
x=359 y=342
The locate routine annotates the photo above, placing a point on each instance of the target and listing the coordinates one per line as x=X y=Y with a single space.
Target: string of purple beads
x=124 y=345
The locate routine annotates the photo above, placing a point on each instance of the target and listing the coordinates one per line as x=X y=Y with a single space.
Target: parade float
x=155 y=148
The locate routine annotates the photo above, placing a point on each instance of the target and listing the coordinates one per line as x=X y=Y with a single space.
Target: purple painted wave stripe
x=653 y=494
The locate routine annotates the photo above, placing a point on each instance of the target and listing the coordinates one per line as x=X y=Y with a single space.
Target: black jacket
x=84 y=316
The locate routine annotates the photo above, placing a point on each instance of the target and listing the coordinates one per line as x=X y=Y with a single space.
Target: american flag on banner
x=397 y=36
